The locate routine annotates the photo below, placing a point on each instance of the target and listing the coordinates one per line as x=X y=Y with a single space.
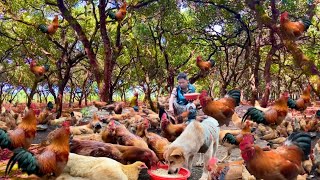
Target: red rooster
x=273 y=115
x=235 y=140
x=22 y=136
x=285 y=162
x=301 y=103
x=170 y=131
x=38 y=70
x=293 y=29
x=204 y=65
x=49 y=162
x=222 y=109
x=52 y=28
x=120 y=14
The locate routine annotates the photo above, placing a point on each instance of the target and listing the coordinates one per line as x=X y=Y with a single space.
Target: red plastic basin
x=191 y=96
x=183 y=171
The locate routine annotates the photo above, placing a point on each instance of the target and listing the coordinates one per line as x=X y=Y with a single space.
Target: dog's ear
x=176 y=153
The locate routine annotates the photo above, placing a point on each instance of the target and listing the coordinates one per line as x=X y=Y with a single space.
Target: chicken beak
x=143 y=166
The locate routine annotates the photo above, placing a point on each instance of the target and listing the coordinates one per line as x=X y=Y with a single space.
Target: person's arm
x=172 y=99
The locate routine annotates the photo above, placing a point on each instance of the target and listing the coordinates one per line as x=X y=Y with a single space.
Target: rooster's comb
x=204 y=93
x=66 y=124
x=164 y=116
x=213 y=160
x=284 y=15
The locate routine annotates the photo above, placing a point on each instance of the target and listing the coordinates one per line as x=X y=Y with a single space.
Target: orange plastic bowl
x=183 y=171
x=191 y=96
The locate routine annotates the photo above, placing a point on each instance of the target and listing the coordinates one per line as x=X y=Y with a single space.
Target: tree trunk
x=33 y=91
x=148 y=96
x=267 y=67
x=80 y=99
x=83 y=38
x=62 y=85
x=71 y=96
x=106 y=90
x=86 y=99
x=256 y=69
x=223 y=90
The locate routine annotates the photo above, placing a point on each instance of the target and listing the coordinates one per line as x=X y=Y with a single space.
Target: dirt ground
x=196 y=171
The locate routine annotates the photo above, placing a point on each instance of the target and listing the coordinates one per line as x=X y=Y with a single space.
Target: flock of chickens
x=124 y=139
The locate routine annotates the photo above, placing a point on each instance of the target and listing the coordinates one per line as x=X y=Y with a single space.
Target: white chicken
x=96 y=168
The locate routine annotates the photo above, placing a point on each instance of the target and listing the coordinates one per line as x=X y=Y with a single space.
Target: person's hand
x=201 y=118
x=170 y=111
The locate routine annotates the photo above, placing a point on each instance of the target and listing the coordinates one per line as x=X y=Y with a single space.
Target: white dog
x=196 y=138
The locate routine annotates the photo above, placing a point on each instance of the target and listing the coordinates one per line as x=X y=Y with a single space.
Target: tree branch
x=82 y=37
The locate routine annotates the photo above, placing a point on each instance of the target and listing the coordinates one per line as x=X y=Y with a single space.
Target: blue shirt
x=180 y=98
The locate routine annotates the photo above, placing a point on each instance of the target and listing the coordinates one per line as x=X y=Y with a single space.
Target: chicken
x=107 y=136
x=93 y=137
x=94 y=126
x=42 y=118
x=120 y=14
x=120 y=153
x=228 y=171
x=99 y=104
x=52 y=28
x=8 y=120
x=289 y=128
x=124 y=137
x=316 y=156
x=273 y=115
x=235 y=140
x=205 y=65
x=118 y=108
x=72 y=119
x=22 y=136
x=156 y=143
x=141 y=128
x=115 y=107
x=154 y=120
x=313 y=124
x=307 y=165
x=285 y=162
x=293 y=30
x=170 y=131
x=222 y=109
x=183 y=117
x=95 y=168
x=303 y=102
x=50 y=162
x=38 y=70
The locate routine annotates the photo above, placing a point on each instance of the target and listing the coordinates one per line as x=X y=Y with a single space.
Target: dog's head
x=175 y=159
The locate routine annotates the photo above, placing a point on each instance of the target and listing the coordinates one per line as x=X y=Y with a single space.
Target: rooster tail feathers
x=111 y=14
x=50 y=105
x=212 y=62
x=26 y=161
x=161 y=111
x=306 y=22
x=4 y=140
x=302 y=140
x=318 y=113
x=230 y=139
x=255 y=114
x=235 y=94
x=46 y=67
x=291 y=103
x=43 y=28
